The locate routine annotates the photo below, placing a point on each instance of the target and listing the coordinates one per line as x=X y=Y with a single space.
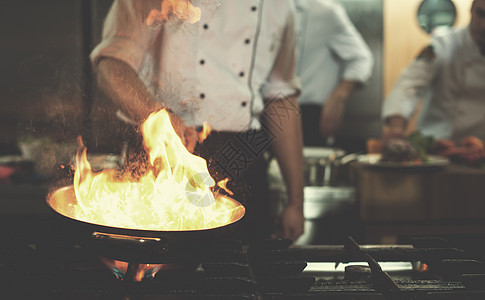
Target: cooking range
x=37 y=260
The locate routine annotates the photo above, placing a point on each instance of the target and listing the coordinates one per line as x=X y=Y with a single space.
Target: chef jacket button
x=241 y=74
x=202 y=95
x=254 y=8
x=244 y=103
x=206 y=26
x=202 y=61
x=247 y=41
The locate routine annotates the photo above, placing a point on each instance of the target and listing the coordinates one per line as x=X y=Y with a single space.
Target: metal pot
x=329 y=213
x=325 y=166
x=142 y=246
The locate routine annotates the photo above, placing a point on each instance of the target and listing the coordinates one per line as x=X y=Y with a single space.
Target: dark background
x=46 y=83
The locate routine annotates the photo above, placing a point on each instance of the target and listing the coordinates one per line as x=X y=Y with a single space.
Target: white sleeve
x=410 y=87
x=125 y=33
x=347 y=43
x=282 y=81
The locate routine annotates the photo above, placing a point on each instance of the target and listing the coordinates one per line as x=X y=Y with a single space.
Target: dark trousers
x=310 y=117
x=233 y=156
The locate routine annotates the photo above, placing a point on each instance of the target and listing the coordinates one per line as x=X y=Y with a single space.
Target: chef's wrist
x=295 y=203
x=295 y=207
x=338 y=96
x=151 y=106
x=345 y=89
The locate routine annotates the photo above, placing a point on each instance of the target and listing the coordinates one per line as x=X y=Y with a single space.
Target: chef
x=234 y=69
x=333 y=61
x=449 y=75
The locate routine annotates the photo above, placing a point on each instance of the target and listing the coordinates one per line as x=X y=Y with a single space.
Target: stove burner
x=132 y=271
x=357 y=273
x=37 y=264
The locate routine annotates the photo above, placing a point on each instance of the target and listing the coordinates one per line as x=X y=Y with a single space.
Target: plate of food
x=377 y=160
x=411 y=152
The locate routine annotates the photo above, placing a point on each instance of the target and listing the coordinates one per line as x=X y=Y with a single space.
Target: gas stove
x=36 y=262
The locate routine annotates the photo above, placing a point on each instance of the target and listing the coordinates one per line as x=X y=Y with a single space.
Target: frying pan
x=133 y=245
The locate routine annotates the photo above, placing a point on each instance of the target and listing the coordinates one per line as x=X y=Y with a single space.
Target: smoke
x=53 y=95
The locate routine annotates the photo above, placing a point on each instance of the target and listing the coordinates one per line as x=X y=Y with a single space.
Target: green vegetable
x=421 y=144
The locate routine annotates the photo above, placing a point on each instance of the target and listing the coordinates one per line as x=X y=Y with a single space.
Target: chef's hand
x=292 y=221
x=394 y=127
x=186 y=133
x=331 y=117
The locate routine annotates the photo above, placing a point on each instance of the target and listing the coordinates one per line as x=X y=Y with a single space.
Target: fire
x=183 y=9
x=422 y=267
x=142 y=271
x=223 y=185
x=120 y=268
x=206 y=130
x=174 y=193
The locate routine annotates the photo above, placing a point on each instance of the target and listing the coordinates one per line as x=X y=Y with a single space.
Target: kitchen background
x=47 y=87
x=46 y=82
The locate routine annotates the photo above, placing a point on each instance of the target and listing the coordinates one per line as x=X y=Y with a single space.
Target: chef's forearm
x=288 y=146
x=344 y=90
x=123 y=86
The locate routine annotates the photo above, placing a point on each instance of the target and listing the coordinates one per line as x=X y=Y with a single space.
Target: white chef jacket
x=330 y=49
x=452 y=86
x=217 y=70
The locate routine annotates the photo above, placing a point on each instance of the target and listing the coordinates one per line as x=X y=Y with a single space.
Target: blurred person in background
x=333 y=61
x=449 y=75
x=231 y=69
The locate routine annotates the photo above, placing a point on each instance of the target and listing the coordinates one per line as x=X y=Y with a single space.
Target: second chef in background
x=449 y=75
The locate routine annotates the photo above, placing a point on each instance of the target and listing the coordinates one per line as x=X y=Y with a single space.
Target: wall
x=40 y=77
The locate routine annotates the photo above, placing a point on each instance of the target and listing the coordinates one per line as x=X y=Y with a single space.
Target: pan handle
x=158 y=243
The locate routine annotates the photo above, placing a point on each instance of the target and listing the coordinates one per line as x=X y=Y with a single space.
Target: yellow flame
x=174 y=193
x=206 y=130
x=223 y=185
x=183 y=9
